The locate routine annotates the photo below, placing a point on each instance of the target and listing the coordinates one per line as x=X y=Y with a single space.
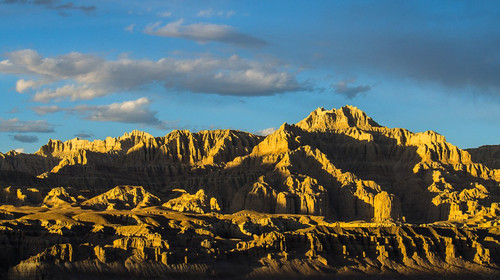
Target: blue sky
x=93 y=69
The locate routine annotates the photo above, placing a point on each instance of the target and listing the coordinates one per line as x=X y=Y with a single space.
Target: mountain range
x=337 y=174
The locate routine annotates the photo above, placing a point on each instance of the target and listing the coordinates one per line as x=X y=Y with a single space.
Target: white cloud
x=15 y=125
x=165 y=14
x=43 y=110
x=211 y=13
x=19 y=150
x=134 y=111
x=266 y=131
x=344 y=87
x=23 y=85
x=77 y=76
x=204 y=33
x=130 y=28
x=205 y=13
x=74 y=92
x=30 y=62
x=61 y=6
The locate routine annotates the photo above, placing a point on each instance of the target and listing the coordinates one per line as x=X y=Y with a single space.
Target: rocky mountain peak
x=345 y=117
x=137 y=133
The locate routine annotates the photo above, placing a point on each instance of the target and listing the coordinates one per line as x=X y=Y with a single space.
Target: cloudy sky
x=92 y=69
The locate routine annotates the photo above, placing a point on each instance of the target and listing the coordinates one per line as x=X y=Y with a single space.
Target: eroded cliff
x=158 y=243
x=336 y=193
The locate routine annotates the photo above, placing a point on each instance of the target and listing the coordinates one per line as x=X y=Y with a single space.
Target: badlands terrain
x=334 y=196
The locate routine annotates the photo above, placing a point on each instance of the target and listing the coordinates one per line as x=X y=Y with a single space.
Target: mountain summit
x=345 y=117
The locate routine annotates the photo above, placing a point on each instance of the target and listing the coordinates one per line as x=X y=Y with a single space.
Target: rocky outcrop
x=138 y=158
x=421 y=172
x=386 y=207
x=343 y=118
x=20 y=196
x=58 y=197
x=488 y=155
x=31 y=164
x=194 y=203
x=123 y=197
x=204 y=147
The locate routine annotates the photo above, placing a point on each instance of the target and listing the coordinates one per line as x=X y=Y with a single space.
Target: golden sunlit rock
x=336 y=195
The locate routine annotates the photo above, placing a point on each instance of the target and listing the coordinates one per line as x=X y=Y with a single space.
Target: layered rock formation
x=419 y=176
x=122 y=197
x=300 y=201
x=336 y=163
x=195 y=203
x=161 y=244
x=58 y=197
x=488 y=155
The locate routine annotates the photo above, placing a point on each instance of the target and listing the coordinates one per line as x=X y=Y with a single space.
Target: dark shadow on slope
x=160 y=168
x=392 y=167
x=488 y=155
